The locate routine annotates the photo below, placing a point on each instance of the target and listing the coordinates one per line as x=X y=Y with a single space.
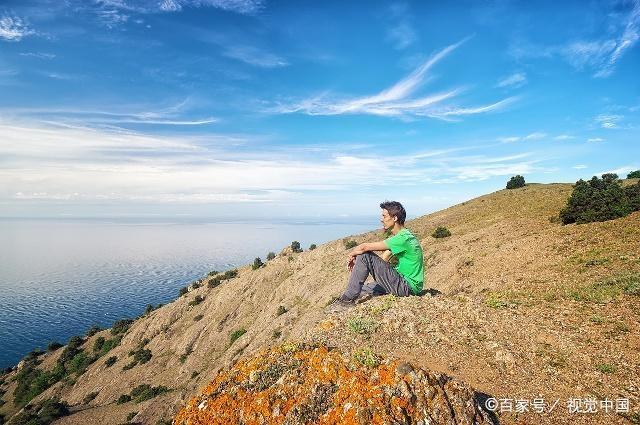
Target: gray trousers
x=386 y=279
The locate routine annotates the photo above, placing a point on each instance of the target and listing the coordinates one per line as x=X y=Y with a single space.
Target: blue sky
x=252 y=108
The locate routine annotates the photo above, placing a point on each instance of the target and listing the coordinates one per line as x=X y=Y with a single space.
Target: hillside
x=519 y=307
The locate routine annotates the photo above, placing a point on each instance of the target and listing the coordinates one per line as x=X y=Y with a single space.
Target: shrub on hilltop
x=350 y=244
x=295 y=246
x=634 y=175
x=441 y=232
x=257 y=263
x=600 y=200
x=633 y=194
x=515 y=182
x=271 y=256
x=217 y=279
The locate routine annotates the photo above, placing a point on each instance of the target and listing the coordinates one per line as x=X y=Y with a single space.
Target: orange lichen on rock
x=307 y=384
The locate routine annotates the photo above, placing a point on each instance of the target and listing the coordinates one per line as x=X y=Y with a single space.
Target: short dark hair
x=395 y=209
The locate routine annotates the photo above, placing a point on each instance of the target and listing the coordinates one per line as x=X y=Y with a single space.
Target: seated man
x=403 y=280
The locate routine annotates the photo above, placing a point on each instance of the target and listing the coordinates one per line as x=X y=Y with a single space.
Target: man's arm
x=386 y=255
x=368 y=246
x=364 y=247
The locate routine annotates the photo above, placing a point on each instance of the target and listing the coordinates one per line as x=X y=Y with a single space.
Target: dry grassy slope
x=506 y=321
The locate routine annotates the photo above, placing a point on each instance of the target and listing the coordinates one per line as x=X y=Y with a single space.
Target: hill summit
x=517 y=307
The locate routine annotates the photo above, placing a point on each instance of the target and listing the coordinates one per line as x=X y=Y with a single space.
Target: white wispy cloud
x=579 y=166
x=38 y=55
x=609 y=121
x=629 y=37
x=514 y=80
x=254 y=56
x=79 y=164
x=509 y=139
x=113 y=13
x=13 y=28
x=395 y=101
x=620 y=171
x=535 y=136
x=564 y=137
x=595 y=140
x=596 y=55
x=401 y=33
x=238 y=6
x=174 y=115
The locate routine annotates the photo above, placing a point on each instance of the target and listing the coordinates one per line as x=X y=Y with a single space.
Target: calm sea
x=59 y=277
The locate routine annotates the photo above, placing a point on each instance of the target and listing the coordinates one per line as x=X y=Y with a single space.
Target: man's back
x=406 y=247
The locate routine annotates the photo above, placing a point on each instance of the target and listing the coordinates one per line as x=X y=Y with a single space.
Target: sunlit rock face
x=306 y=384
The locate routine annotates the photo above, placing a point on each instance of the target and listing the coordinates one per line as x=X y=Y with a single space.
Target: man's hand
x=351 y=263
x=360 y=249
x=386 y=255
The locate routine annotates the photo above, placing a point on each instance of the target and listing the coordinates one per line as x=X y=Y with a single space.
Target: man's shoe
x=339 y=305
x=364 y=297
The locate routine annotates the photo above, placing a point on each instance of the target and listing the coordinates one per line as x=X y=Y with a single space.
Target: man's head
x=392 y=212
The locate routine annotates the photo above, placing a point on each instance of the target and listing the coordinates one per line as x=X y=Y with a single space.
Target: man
x=403 y=280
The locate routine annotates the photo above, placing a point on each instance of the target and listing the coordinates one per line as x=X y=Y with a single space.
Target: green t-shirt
x=408 y=251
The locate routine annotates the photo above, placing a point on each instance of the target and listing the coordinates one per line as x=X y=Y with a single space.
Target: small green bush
x=606 y=368
x=79 y=363
x=106 y=345
x=124 y=398
x=350 y=244
x=53 y=346
x=93 y=330
x=213 y=273
x=217 y=280
x=257 y=263
x=111 y=361
x=197 y=300
x=148 y=309
x=362 y=325
x=121 y=326
x=600 y=200
x=271 y=256
x=214 y=282
x=295 y=246
x=30 y=382
x=98 y=343
x=194 y=374
x=441 y=232
x=312 y=247
x=140 y=355
x=198 y=317
x=187 y=352
x=515 y=182
x=43 y=414
x=183 y=291
x=146 y=392
x=366 y=357
x=75 y=341
x=634 y=175
x=230 y=274
x=68 y=353
x=281 y=310
x=131 y=415
x=237 y=334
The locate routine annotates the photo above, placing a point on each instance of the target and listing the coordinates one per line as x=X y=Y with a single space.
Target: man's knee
x=365 y=256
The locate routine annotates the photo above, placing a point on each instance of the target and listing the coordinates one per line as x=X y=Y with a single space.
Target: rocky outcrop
x=307 y=384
